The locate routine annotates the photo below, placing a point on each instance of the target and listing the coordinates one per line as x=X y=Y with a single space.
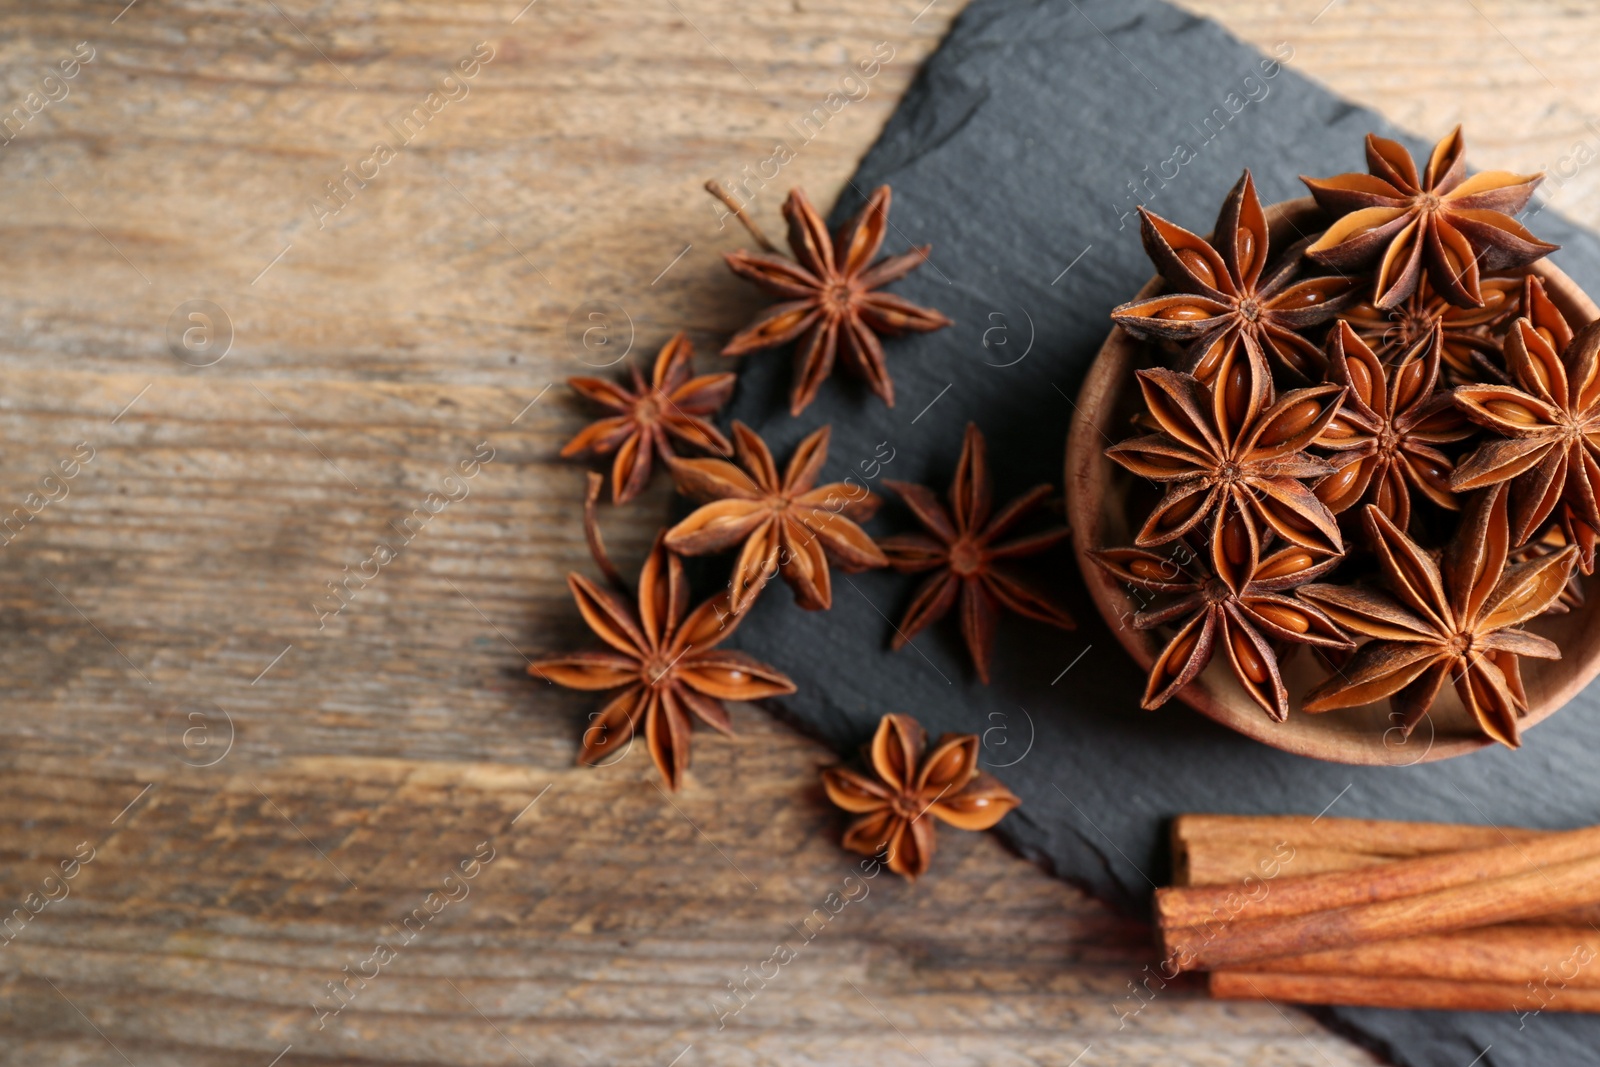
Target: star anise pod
x=1546 y=428
x=892 y=804
x=830 y=297
x=1238 y=604
x=1387 y=426
x=664 y=660
x=1220 y=461
x=1460 y=624
x=788 y=525
x=1470 y=352
x=1441 y=222
x=649 y=416
x=966 y=558
x=1553 y=540
x=1218 y=302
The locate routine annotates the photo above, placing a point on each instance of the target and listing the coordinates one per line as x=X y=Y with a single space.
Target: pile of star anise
x=663 y=664
x=1387 y=433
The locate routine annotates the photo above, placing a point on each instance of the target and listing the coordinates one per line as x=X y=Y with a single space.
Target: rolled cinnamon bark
x=1408 y=898
x=1386 y=837
x=1414 y=993
x=1547 y=956
x=1289 y=896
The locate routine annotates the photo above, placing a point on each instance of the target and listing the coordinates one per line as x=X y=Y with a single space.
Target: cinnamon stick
x=1554 y=956
x=1414 y=993
x=1385 y=837
x=1212 y=860
x=1473 y=890
x=1290 y=896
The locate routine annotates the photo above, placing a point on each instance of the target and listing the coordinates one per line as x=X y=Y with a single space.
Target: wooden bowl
x=1098 y=497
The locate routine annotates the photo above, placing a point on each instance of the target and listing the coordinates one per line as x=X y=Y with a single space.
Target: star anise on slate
x=894 y=802
x=1459 y=624
x=830 y=297
x=1239 y=604
x=1546 y=428
x=1470 y=352
x=649 y=416
x=960 y=546
x=1440 y=221
x=1220 y=462
x=788 y=525
x=1387 y=427
x=664 y=660
x=1218 y=302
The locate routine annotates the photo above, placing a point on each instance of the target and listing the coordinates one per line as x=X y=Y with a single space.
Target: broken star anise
x=960 y=546
x=1240 y=604
x=1470 y=352
x=1546 y=428
x=1441 y=221
x=788 y=525
x=1387 y=427
x=892 y=804
x=1220 y=460
x=1217 y=301
x=648 y=416
x=1460 y=623
x=830 y=297
x=665 y=662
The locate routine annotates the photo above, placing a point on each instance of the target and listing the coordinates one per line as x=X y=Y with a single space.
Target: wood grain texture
x=171 y=589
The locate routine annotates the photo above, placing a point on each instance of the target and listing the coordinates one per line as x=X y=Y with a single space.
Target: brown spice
x=905 y=786
x=963 y=549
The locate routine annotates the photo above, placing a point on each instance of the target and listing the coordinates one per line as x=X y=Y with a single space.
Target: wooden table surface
x=264 y=791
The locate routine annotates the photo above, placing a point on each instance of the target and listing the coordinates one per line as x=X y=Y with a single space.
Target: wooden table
x=269 y=788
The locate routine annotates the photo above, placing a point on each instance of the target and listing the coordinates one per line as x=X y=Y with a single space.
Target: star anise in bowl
x=1440 y=222
x=1458 y=623
x=1456 y=408
x=1386 y=436
x=1217 y=300
x=1544 y=429
x=1245 y=609
x=1470 y=336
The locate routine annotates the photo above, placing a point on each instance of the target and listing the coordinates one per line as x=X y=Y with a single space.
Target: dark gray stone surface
x=1013 y=155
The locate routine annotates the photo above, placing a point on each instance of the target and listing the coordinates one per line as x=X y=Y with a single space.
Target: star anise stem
x=716 y=189
x=591 y=533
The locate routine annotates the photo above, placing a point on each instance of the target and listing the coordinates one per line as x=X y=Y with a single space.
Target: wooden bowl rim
x=1087 y=473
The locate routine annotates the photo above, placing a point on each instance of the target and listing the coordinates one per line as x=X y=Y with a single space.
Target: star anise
x=1470 y=352
x=1460 y=624
x=1219 y=303
x=830 y=297
x=649 y=416
x=1553 y=540
x=905 y=787
x=1546 y=427
x=789 y=525
x=1221 y=462
x=665 y=662
x=1239 y=604
x=1442 y=221
x=1387 y=427
x=967 y=560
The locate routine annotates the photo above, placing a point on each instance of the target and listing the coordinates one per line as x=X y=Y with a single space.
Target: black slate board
x=1013 y=155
